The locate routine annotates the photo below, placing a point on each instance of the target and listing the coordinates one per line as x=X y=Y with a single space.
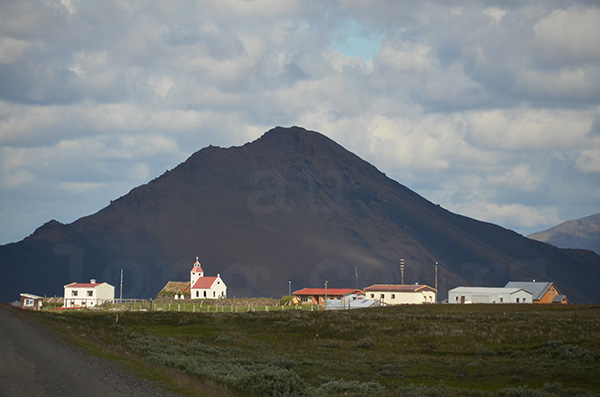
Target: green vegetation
x=436 y=350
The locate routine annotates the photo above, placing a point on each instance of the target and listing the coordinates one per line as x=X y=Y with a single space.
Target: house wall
x=549 y=295
x=402 y=298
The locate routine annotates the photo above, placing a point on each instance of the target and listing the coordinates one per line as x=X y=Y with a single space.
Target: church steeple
x=196 y=273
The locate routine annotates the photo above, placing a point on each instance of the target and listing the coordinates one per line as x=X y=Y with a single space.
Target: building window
x=372 y=295
x=197 y=294
x=501 y=299
x=517 y=300
x=214 y=294
x=205 y=294
x=73 y=293
x=382 y=296
x=90 y=293
x=393 y=296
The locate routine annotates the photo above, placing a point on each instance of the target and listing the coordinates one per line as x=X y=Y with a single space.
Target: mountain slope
x=290 y=206
x=581 y=233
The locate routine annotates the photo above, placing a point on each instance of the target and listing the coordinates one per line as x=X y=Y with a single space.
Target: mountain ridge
x=582 y=233
x=292 y=205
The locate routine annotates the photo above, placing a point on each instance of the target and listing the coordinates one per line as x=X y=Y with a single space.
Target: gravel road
x=35 y=362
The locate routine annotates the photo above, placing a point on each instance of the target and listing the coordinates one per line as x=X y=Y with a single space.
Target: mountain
x=581 y=233
x=291 y=206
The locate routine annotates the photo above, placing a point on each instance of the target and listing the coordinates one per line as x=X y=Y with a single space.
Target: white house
x=205 y=287
x=88 y=294
x=397 y=294
x=489 y=295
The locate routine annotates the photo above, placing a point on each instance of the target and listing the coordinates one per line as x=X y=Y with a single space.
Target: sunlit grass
x=418 y=350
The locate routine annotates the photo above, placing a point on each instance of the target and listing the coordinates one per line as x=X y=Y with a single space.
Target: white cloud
x=12 y=49
x=495 y=13
x=518 y=215
x=482 y=108
x=530 y=129
x=589 y=160
x=569 y=34
x=80 y=187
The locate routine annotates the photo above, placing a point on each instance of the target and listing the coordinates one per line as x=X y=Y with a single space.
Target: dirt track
x=35 y=362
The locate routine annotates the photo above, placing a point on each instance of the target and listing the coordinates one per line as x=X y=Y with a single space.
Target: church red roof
x=205 y=282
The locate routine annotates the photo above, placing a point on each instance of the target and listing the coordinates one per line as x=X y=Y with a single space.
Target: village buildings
x=88 y=294
x=199 y=286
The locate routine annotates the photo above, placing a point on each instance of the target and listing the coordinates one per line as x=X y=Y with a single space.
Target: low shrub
x=350 y=388
x=365 y=343
x=272 y=382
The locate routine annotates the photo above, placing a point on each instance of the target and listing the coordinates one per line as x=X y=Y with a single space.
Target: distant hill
x=291 y=206
x=581 y=233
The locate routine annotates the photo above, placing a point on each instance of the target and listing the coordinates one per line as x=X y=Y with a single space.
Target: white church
x=205 y=287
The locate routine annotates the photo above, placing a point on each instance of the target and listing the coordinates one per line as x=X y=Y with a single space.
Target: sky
x=489 y=108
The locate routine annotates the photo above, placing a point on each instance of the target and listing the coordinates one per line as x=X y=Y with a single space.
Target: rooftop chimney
x=93 y=281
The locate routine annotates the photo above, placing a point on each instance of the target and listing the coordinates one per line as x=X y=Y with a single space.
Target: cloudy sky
x=491 y=109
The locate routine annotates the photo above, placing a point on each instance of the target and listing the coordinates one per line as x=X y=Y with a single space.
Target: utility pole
x=402 y=270
x=121 y=288
x=325 y=305
x=436 y=285
x=290 y=287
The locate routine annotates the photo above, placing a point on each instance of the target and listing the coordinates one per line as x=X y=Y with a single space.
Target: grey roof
x=536 y=289
x=558 y=298
x=487 y=290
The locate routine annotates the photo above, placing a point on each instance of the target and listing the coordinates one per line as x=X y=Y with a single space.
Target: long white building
x=489 y=295
x=396 y=294
x=88 y=294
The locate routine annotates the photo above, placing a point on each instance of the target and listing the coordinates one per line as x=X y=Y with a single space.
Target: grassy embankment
x=444 y=350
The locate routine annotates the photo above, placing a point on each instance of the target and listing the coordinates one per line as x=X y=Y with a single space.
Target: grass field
x=437 y=350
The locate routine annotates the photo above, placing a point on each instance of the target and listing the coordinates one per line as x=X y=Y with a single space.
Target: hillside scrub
x=479 y=350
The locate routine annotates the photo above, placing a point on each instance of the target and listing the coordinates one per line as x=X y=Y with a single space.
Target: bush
x=332 y=345
x=272 y=382
x=351 y=387
x=365 y=343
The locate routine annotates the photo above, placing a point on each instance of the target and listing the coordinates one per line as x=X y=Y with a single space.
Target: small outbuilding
x=544 y=292
x=31 y=302
x=399 y=294
x=489 y=295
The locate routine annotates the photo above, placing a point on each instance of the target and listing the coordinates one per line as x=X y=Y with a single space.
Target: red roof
x=83 y=285
x=205 y=282
x=330 y=291
x=399 y=288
